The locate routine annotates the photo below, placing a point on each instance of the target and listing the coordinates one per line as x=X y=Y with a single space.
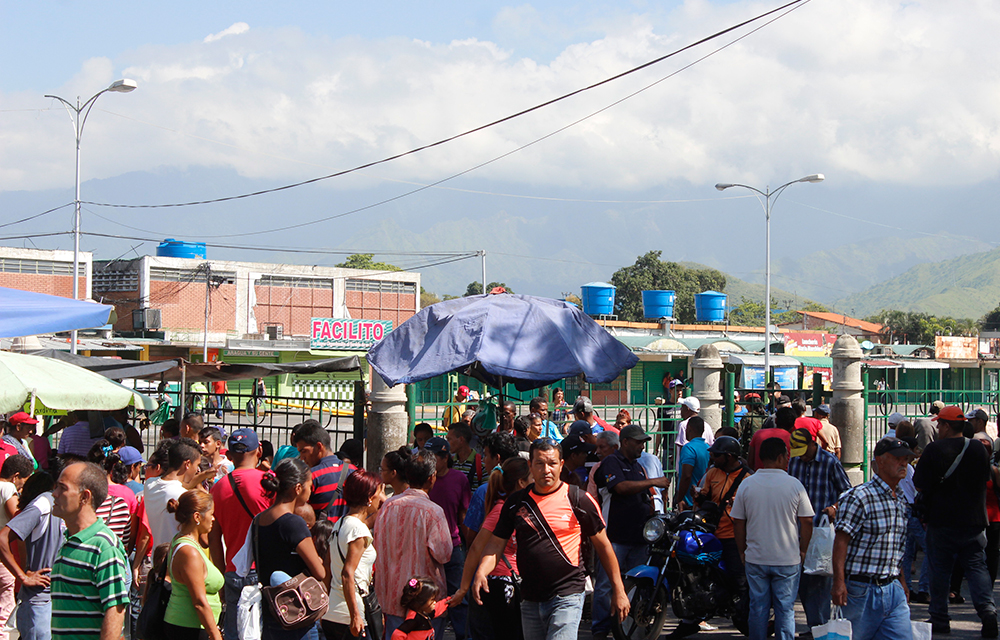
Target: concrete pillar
x=847 y=410
x=387 y=421
x=706 y=371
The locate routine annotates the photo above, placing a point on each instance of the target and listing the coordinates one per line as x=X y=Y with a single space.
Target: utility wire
x=37 y=215
x=464 y=133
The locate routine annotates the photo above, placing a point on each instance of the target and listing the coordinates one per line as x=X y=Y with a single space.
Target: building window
x=168 y=274
x=381 y=286
x=39 y=267
x=295 y=282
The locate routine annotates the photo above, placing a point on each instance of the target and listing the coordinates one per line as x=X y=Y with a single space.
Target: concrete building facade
x=44 y=271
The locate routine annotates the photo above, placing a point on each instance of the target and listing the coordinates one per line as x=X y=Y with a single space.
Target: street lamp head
x=123 y=86
x=816 y=177
x=722 y=186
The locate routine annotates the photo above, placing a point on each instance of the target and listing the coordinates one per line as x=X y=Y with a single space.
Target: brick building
x=44 y=271
x=246 y=299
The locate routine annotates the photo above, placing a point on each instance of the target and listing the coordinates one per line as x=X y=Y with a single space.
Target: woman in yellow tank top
x=194 y=607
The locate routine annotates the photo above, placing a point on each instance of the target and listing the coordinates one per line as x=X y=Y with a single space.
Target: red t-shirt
x=763 y=435
x=232 y=518
x=812 y=424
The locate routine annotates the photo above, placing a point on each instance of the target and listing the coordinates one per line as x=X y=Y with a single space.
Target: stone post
x=387 y=421
x=847 y=410
x=707 y=373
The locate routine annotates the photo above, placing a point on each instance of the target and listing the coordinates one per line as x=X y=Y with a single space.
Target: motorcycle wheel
x=648 y=627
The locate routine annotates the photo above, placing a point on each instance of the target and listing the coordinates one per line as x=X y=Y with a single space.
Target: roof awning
x=757 y=360
x=881 y=364
x=923 y=364
x=820 y=362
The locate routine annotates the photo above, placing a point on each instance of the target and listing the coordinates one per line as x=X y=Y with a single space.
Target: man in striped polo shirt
x=328 y=471
x=89 y=577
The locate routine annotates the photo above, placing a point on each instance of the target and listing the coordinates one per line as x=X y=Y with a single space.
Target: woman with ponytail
x=194 y=607
x=285 y=546
x=503 y=602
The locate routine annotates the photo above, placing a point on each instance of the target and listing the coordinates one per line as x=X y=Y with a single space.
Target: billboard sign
x=345 y=333
x=753 y=377
x=956 y=348
x=814 y=344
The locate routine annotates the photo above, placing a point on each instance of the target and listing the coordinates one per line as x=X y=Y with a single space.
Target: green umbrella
x=61 y=386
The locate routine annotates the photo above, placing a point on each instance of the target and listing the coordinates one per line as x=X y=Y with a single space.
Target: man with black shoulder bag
x=951 y=477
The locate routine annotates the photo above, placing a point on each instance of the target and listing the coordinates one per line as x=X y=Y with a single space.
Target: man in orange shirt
x=719 y=485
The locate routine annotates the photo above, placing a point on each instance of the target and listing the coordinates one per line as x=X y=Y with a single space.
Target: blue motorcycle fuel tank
x=695 y=547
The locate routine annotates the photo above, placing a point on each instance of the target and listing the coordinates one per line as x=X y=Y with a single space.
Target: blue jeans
x=814 y=592
x=555 y=619
x=945 y=547
x=629 y=556
x=34 y=620
x=272 y=630
x=916 y=539
x=234 y=586
x=877 y=613
x=392 y=623
x=453 y=577
x=772 y=586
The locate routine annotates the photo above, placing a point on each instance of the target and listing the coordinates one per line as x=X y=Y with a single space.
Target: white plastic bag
x=819 y=555
x=837 y=628
x=921 y=630
x=248 y=613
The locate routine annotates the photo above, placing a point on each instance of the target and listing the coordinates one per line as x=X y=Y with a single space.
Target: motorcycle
x=684 y=572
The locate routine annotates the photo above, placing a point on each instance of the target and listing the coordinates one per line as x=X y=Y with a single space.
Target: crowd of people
x=499 y=534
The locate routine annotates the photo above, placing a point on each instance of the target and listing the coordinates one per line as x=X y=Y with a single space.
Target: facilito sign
x=345 y=333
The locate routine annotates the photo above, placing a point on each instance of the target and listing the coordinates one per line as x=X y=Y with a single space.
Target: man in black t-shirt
x=956 y=518
x=551 y=519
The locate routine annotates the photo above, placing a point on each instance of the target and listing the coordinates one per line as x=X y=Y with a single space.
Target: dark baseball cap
x=574 y=443
x=634 y=432
x=243 y=440
x=895 y=446
x=437 y=444
x=977 y=413
x=581 y=427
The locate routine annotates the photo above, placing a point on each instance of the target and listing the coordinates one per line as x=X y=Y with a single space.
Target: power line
x=37 y=215
x=464 y=133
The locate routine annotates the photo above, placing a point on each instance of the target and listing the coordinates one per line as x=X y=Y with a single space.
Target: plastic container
x=710 y=306
x=598 y=298
x=658 y=304
x=171 y=248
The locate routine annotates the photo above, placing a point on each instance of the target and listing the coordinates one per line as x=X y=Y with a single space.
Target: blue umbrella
x=500 y=338
x=25 y=313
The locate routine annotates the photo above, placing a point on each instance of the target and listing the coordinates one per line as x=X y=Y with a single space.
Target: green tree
x=991 y=321
x=427 y=298
x=475 y=288
x=911 y=327
x=365 y=261
x=649 y=273
x=750 y=313
x=572 y=298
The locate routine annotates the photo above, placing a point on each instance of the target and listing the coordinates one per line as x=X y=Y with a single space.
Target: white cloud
x=236 y=29
x=883 y=91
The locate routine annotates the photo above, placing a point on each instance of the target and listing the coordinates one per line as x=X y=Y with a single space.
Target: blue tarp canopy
x=501 y=338
x=25 y=313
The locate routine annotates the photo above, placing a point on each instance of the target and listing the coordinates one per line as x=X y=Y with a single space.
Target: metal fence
x=271 y=416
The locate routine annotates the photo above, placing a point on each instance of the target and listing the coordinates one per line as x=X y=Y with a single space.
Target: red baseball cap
x=21 y=418
x=951 y=414
x=463 y=390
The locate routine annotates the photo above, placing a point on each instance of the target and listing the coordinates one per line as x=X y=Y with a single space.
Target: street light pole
x=768 y=195
x=78 y=114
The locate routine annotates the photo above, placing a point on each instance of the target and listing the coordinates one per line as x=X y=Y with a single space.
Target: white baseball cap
x=692 y=403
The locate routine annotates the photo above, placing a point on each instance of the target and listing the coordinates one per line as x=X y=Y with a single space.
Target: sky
x=894 y=102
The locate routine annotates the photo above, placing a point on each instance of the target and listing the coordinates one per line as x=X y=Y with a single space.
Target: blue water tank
x=710 y=306
x=598 y=298
x=658 y=304
x=171 y=248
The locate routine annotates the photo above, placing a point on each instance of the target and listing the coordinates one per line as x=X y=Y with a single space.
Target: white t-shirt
x=156 y=494
x=7 y=491
x=771 y=502
x=654 y=469
x=347 y=531
x=682 y=440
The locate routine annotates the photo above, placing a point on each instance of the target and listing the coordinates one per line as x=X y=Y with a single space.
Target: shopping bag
x=819 y=555
x=921 y=630
x=248 y=613
x=836 y=629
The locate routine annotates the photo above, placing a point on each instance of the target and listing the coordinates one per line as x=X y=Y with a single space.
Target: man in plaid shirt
x=871 y=529
x=821 y=473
